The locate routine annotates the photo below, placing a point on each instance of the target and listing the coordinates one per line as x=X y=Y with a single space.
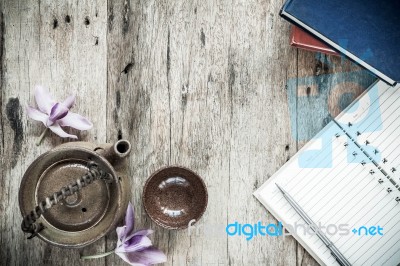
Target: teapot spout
x=116 y=153
x=121 y=149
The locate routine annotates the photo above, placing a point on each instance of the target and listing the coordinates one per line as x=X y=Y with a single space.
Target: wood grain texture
x=41 y=47
x=210 y=85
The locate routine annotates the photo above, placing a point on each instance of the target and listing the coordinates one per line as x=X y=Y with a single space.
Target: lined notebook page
x=336 y=183
x=380 y=134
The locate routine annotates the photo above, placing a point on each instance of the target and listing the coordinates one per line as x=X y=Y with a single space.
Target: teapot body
x=87 y=215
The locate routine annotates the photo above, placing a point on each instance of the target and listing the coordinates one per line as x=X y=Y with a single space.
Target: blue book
x=367 y=31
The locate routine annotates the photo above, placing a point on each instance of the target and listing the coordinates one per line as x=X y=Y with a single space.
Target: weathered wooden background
x=210 y=85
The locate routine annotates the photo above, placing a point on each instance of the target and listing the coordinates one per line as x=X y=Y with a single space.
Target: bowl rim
x=198 y=177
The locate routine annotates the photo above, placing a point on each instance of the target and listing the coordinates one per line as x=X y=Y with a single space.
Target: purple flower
x=135 y=247
x=55 y=115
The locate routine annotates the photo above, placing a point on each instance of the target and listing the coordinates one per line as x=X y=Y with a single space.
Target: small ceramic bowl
x=174 y=196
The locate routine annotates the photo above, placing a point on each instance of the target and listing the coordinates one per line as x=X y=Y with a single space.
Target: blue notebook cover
x=367 y=31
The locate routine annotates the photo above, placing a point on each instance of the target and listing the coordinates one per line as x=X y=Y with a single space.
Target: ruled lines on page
x=344 y=178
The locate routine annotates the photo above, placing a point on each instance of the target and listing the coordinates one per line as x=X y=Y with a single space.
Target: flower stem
x=42 y=137
x=97 y=255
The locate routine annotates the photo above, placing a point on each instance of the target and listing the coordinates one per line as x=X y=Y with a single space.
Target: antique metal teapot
x=76 y=193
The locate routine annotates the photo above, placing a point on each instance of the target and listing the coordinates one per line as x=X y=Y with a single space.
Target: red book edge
x=304 y=40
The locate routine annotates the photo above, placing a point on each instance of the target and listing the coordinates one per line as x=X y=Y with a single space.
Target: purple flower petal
x=124 y=256
x=136 y=243
x=121 y=232
x=121 y=235
x=129 y=220
x=56 y=128
x=135 y=247
x=148 y=256
x=76 y=121
x=69 y=101
x=43 y=100
x=36 y=115
x=58 y=111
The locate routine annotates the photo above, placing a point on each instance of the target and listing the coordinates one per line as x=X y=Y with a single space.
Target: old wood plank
x=261 y=139
x=325 y=85
x=138 y=105
x=200 y=120
x=202 y=90
x=42 y=46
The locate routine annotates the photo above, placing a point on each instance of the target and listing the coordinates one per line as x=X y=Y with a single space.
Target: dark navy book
x=367 y=31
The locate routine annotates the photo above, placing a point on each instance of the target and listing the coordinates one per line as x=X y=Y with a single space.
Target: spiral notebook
x=347 y=177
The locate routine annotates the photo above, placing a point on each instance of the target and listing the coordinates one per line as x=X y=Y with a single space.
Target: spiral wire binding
x=28 y=224
x=372 y=172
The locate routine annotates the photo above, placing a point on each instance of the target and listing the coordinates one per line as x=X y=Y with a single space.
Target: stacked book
x=366 y=31
x=304 y=40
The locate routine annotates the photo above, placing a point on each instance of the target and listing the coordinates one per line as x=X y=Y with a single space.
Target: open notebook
x=348 y=175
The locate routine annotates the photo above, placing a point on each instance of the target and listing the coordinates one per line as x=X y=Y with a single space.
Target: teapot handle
x=28 y=224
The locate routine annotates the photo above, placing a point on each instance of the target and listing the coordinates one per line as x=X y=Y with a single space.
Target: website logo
x=260 y=229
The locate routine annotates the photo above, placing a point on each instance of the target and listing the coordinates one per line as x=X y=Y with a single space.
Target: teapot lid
x=81 y=218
